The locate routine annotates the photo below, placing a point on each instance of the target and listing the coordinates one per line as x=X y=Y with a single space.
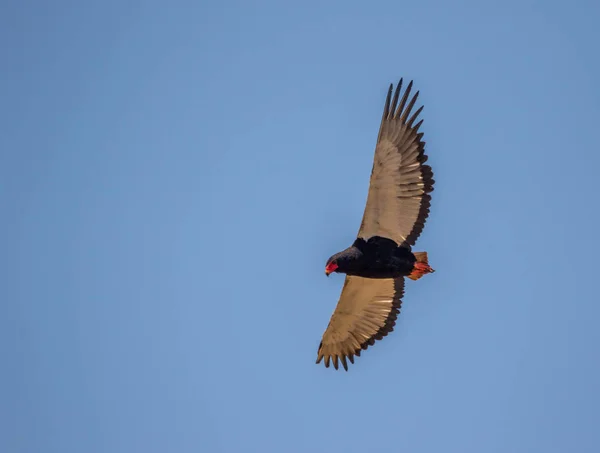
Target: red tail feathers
x=421 y=267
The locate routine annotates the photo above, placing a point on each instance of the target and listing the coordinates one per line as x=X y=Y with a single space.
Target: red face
x=331 y=267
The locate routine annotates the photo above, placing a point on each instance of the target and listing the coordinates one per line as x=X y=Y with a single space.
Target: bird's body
x=376 y=263
x=375 y=258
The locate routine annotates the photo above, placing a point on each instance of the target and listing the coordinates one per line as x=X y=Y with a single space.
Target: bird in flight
x=376 y=263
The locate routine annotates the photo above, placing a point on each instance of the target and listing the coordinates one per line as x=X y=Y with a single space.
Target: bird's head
x=338 y=262
x=343 y=262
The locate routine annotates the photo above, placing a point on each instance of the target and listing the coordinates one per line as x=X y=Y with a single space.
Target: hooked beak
x=331 y=267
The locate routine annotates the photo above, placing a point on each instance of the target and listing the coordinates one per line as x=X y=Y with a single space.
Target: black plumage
x=375 y=258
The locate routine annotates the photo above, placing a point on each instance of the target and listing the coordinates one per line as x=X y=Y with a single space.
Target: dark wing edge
x=426 y=171
x=394 y=110
x=382 y=332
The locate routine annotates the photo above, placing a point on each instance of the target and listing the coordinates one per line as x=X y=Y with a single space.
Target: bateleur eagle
x=375 y=265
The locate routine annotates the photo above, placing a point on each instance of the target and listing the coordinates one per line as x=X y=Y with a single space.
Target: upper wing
x=367 y=311
x=398 y=201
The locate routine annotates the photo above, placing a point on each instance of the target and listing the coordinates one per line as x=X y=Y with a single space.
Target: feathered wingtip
x=400 y=110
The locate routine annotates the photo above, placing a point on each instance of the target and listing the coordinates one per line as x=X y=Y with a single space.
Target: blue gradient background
x=173 y=177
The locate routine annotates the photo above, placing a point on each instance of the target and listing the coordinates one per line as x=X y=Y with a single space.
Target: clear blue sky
x=174 y=176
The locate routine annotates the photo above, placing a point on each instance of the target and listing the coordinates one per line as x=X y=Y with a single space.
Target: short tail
x=421 y=266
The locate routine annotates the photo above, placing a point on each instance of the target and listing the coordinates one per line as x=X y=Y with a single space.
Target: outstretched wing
x=367 y=311
x=398 y=201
